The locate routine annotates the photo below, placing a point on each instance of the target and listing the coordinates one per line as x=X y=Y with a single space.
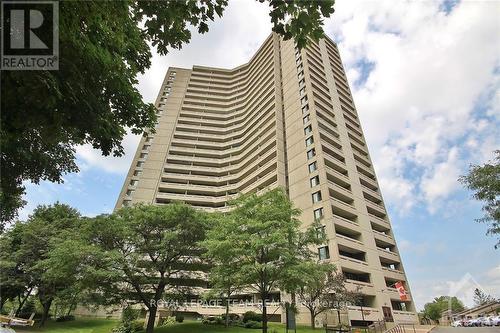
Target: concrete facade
x=286 y=118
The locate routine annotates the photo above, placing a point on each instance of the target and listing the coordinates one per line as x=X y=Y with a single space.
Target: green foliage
x=179 y=317
x=128 y=323
x=261 y=235
x=253 y=324
x=324 y=289
x=434 y=309
x=251 y=316
x=484 y=180
x=305 y=19
x=32 y=244
x=165 y=321
x=93 y=97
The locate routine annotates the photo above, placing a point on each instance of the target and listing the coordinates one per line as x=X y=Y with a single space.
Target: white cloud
x=417 y=105
x=93 y=158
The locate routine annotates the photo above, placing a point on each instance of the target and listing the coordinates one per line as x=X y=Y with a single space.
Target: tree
x=324 y=289
x=258 y=234
x=484 y=180
x=143 y=252
x=481 y=298
x=32 y=244
x=434 y=309
x=93 y=98
x=223 y=276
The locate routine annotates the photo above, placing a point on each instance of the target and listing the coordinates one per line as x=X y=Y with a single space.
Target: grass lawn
x=197 y=327
x=78 y=326
x=104 y=326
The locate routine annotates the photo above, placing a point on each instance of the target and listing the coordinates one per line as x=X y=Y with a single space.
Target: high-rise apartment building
x=286 y=118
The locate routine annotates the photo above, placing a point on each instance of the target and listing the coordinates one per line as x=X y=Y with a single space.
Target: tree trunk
x=313 y=317
x=151 y=319
x=45 y=315
x=21 y=303
x=264 y=316
x=227 y=312
x=338 y=313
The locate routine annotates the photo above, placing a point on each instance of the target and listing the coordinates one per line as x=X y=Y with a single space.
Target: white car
x=457 y=323
x=495 y=321
x=474 y=322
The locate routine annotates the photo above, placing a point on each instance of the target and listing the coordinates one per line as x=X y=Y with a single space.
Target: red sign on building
x=402 y=291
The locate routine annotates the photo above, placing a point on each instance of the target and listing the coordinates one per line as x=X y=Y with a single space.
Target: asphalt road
x=466 y=330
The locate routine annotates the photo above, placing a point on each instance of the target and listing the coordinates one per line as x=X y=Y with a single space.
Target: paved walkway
x=466 y=330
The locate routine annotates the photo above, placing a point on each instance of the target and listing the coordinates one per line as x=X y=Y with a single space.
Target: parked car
x=495 y=321
x=474 y=322
x=484 y=321
x=457 y=323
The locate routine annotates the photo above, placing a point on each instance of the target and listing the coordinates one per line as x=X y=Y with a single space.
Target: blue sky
x=425 y=79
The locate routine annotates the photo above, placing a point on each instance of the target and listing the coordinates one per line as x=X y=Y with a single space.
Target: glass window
x=305 y=109
x=134 y=182
x=129 y=192
x=323 y=253
x=321 y=231
x=309 y=141
x=306 y=119
x=318 y=214
x=300 y=75
x=126 y=203
x=314 y=181
x=303 y=100
x=140 y=164
x=308 y=130
x=145 y=147
x=313 y=167
x=137 y=172
x=143 y=155
x=311 y=153
x=302 y=82
x=302 y=91
x=316 y=197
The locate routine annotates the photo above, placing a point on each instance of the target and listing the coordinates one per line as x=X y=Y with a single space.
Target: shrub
x=212 y=320
x=232 y=317
x=251 y=316
x=167 y=321
x=179 y=317
x=253 y=324
x=65 y=318
x=137 y=325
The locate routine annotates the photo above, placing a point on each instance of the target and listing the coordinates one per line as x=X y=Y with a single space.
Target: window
x=148 y=139
x=321 y=231
x=137 y=172
x=134 y=182
x=314 y=181
x=303 y=101
x=126 y=203
x=140 y=164
x=300 y=75
x=143 y=155
x=145 y=147
x=318 y=214
x=306 y=119
x=298 y=60
x=313 y=167
x=323 y=253
x=309 y=141
x=129 y=192
x=308 y=130
x=311 y=153
x=305 y=109
x=302 y=91
x=302 y=82
x=300 y=68
x=316 y=197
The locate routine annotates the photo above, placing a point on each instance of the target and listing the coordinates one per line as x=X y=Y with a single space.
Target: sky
x=425 y=76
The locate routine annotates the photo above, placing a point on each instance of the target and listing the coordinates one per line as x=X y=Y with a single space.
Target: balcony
x=378 y=235
x=387 y=254
x=378 y=208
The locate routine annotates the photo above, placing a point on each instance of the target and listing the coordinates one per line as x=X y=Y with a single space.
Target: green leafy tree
x=144 y=253
x=484 y=180
x=325 y=289
x=34 y=241
x=258 y=234
x=224 y=278
x=481 y=298
x=434 y=309
x=93 y=97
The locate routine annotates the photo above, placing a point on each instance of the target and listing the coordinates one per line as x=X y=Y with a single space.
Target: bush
x=65 y=318
x=166 y=321
x=253 y=324
x=179 y=318
x=137 y=325
x=212 y=320
x=251 y=316
x=232 y=317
